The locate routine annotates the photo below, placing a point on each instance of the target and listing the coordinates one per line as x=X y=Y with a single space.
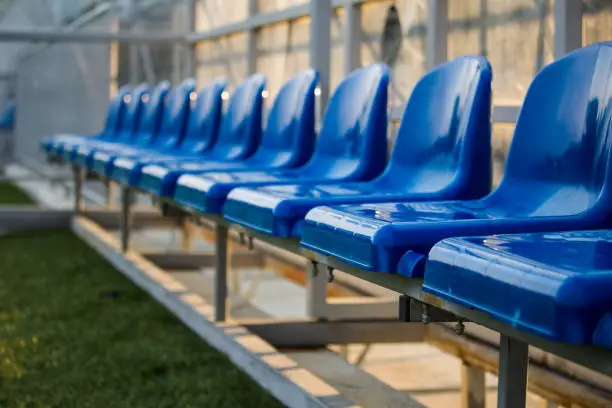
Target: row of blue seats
x=340 y=197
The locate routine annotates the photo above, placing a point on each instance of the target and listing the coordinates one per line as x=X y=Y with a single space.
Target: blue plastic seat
x=166 y=129
x=54 y=146
x=287 y=142
x=161 y=128
x=555 y=285
x=202 y=128
x=239 y=134
x=352 y=145
x=556 y=178
x=127 y=128
x=446 y=158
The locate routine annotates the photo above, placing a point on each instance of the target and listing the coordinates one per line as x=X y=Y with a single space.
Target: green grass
x=10 y=194
x=74 y=332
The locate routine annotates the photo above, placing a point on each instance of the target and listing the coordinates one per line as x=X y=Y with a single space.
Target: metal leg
x=220 y=273
x=472 y=386
x=316 y=289
x=513 y=362
x=126 y=203
x=186 y=235
x=78 y=189
x=110 y=193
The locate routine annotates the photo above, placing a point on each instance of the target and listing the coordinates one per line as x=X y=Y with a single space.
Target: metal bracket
x=413 y=310
x=168 y=210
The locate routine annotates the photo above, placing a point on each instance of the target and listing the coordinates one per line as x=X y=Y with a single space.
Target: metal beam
x=320 y=47
x=251 y=50
x=352 y=37
x=55 y=36
x=314 y=333
x=266 y=19
x=256 y=21
x=501 y=113
x=513 y=362
x=190 y=27
x=437 y=32
x=568 y=26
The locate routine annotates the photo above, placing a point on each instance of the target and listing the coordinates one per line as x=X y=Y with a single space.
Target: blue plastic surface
x=352 y=145
x=556 y=285
x=170 y=127
x=287 y=142
x=7 y=119
x=556 y=178
x=239 y=134
x=117 y=106
x=146 y=135
x=445 y=158
x=127 y=127
x=201 y=135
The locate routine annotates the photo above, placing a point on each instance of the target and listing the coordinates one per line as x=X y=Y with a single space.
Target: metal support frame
x=437 y=31
x=473 y=387
x=191 y=59
x=78 y=189
x=67 y=36
x=221 y=233
x=125 y=221
x=352 y=36
x=316 y=291
x=513 y=362
x=251 y=50
x=320 y=47
x=568 y=26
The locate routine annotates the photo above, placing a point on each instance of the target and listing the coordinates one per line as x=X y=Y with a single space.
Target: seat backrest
x=131 y=118
x=204 y=118
x=240 y=131
x=443 y=143
x=559 y=160
x=116 y=109
x=289 y=137
x=150 y=119
x=353 y=137
x=175 y=115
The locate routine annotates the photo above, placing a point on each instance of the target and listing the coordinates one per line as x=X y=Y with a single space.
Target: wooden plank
x=316 y=333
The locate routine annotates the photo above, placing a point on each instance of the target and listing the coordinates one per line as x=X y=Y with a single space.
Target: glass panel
x=515 y=35
x=224 y=58
x=410 y=64
x=282 y=51
x=596 y=21
x=215 y=13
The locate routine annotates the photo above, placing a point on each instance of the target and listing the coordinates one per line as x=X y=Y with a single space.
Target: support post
x=568 y=26
x=320 y=47
x=221 y=234
x=472 y=386
x=352 y=37
x=251 y=51
x=125 y=224
x=190 y=26
x=437 y=31
x=78 y=190
x=513 y=362
x=316 y=292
